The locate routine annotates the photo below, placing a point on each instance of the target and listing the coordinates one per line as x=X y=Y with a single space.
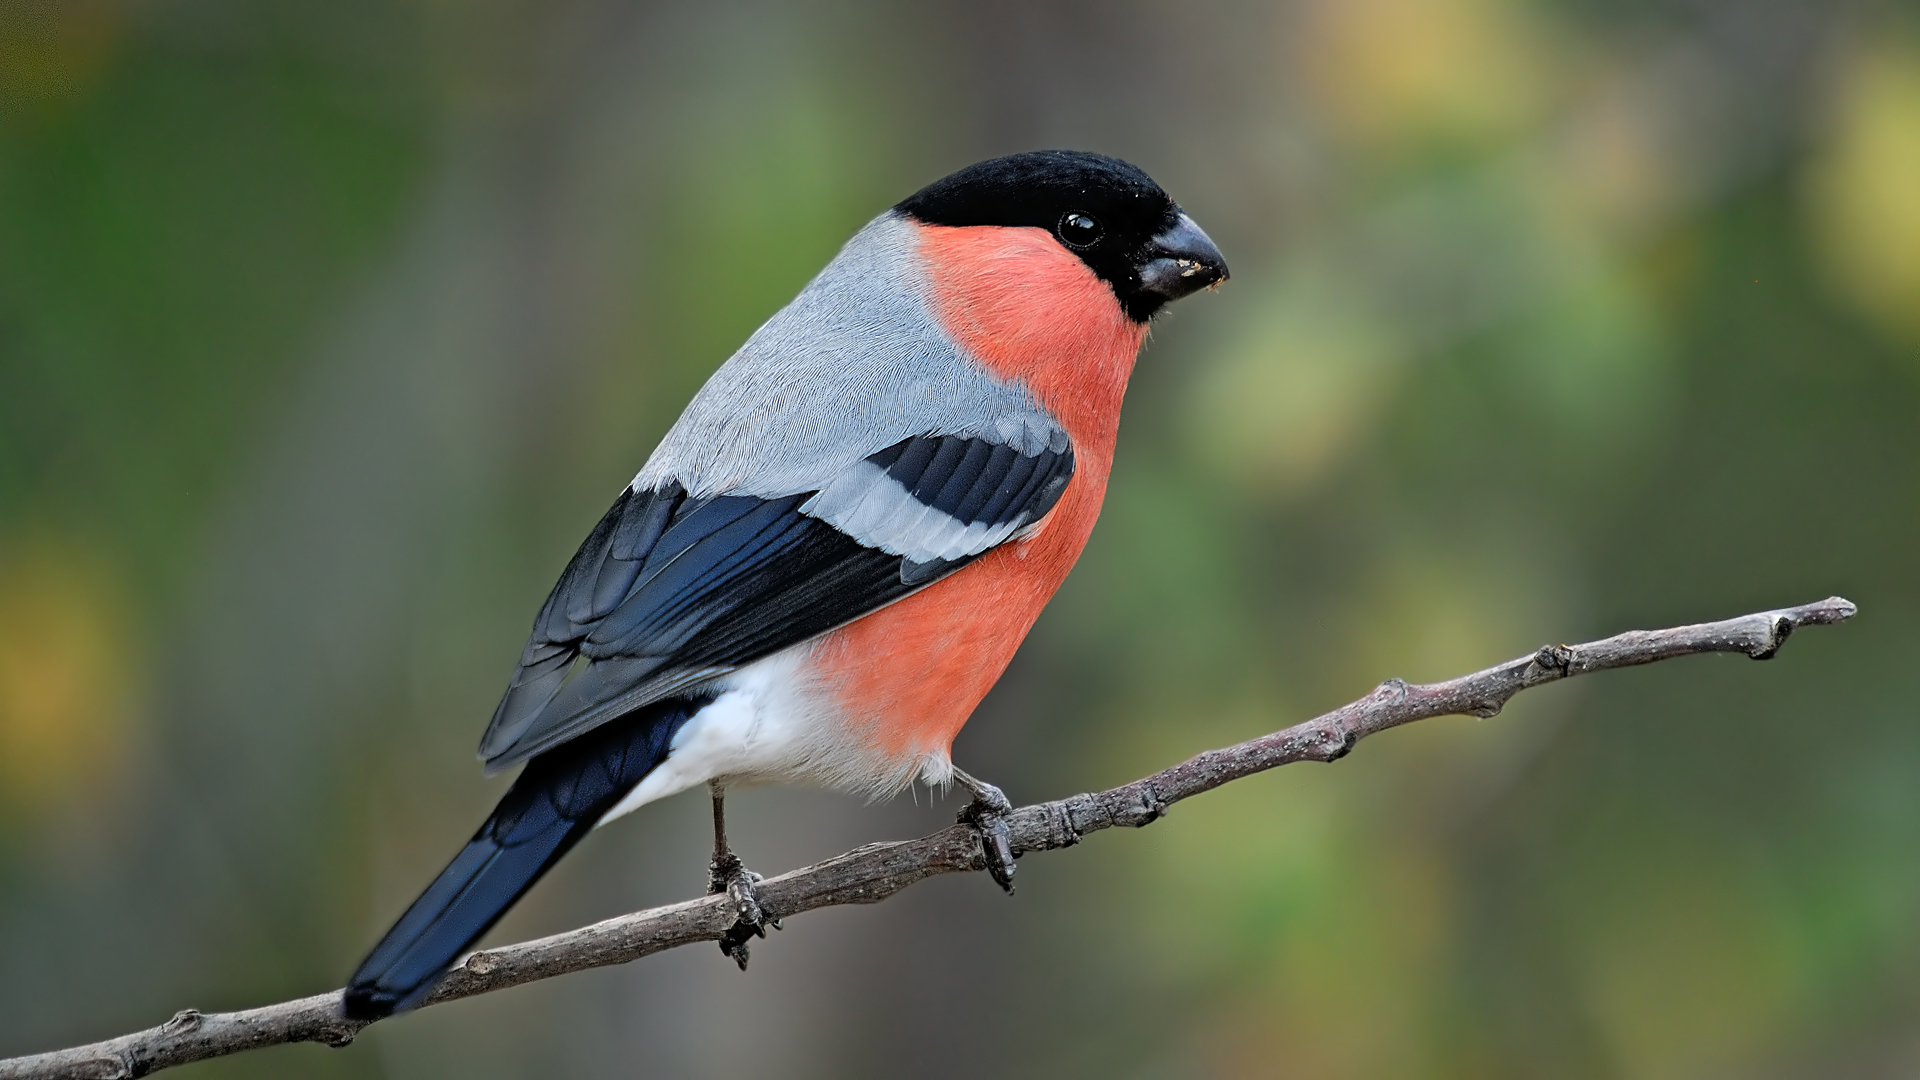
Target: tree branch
x=870 y=874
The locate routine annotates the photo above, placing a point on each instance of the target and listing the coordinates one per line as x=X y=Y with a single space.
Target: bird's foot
x=988 y=813
x=725 y=874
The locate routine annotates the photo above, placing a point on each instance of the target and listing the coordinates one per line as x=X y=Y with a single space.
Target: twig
x=870 y=874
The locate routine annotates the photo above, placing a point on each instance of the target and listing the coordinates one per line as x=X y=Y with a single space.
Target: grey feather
x=873 y=508
x=856 y=363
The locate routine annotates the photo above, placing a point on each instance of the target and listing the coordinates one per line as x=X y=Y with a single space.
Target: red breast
x=1032 y=312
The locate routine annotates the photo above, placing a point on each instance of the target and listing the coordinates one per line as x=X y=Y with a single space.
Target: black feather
x=968 y=507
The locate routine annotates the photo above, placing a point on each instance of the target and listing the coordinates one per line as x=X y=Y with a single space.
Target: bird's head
x=1107 y=213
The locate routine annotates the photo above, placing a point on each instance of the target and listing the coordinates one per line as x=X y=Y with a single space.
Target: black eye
x=1079 y=230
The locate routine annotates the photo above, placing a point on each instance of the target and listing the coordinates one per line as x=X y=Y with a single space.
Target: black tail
x=556 y=800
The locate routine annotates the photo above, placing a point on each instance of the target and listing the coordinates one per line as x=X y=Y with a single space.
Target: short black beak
x=1181 y=261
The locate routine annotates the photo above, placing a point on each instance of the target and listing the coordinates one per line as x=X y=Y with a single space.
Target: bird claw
x=988 y=813
x=727 y=875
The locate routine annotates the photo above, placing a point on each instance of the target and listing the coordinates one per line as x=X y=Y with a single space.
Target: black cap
x=1107 y=212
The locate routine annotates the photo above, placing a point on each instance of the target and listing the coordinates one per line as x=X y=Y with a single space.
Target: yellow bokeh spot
x=1298 y=390
x=64 y=676
x=1865 y=187
x=1434 y=606
x=1392 y=70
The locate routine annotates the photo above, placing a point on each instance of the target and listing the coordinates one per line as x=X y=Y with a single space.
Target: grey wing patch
x=941 y=500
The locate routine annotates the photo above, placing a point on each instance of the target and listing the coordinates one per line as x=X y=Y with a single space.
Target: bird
x=835 y=551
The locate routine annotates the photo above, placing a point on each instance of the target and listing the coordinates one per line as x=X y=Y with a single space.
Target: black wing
x=669 y=592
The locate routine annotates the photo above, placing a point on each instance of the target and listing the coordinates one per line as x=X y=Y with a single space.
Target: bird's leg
x=726 y=874
x=988 y=813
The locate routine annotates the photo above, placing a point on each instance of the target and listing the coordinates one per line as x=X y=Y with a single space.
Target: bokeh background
x=328 y=330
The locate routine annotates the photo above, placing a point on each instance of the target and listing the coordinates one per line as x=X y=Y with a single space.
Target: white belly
x=769 y=723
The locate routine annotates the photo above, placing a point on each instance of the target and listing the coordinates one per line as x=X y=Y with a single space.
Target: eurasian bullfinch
x=835 y=551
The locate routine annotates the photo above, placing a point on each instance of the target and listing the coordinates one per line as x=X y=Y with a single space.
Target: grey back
x=856 y=363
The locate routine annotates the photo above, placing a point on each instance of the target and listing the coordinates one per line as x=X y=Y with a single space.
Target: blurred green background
x=328 y=330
